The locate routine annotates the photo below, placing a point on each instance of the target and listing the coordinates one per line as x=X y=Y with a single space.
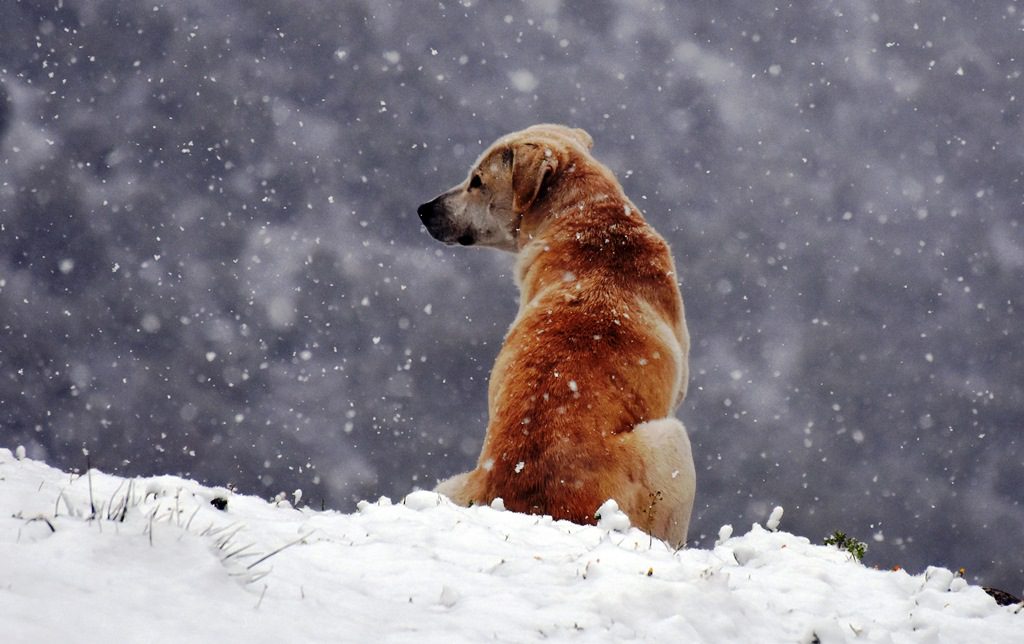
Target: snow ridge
x=154 y=560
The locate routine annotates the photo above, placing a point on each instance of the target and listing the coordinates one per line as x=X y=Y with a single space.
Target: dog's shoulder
x=610 y=238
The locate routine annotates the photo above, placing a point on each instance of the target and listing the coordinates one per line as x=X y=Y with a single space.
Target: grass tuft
x=840 y=540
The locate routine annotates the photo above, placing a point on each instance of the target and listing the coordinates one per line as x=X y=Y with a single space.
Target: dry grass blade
x=194 y=513
x=110 y=502
x=282 y=548
x=238 y=552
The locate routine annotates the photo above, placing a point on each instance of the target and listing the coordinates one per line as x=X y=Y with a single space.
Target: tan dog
x=595 y=362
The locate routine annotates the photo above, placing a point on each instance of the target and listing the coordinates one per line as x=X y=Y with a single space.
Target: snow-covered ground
x=156 y=561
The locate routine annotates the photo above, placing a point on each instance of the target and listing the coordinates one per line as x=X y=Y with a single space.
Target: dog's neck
x=535 y=269
x=573 y=191
x=572 y=198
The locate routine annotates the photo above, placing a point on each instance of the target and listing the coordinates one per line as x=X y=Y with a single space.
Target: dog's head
x=508 y=181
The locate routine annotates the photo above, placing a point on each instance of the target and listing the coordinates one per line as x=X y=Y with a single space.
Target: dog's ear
x=532 y=166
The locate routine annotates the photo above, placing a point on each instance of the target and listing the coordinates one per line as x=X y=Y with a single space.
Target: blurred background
x=211 y=264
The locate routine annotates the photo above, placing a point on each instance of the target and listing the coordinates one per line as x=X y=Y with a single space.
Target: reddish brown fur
x=599 y=346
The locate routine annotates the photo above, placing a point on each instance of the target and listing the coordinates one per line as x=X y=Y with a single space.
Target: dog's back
x=595 y=353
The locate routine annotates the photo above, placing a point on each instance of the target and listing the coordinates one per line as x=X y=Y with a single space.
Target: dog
x=582 y=392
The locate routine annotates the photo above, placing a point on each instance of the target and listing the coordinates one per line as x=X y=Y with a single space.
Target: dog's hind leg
x=671 y=477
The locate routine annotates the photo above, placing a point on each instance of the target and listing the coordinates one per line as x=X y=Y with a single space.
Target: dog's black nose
x=435 y=220
x=426 y=211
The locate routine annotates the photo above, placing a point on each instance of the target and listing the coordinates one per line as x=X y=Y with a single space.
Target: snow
x=178 y=569
x=523 y=80
x=610 y=517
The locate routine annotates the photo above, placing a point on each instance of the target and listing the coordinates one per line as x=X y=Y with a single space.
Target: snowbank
x=100 y=558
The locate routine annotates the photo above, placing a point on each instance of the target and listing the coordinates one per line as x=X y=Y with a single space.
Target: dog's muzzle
x=434 y=216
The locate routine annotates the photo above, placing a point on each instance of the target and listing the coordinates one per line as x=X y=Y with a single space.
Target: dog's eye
x=475 y=182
